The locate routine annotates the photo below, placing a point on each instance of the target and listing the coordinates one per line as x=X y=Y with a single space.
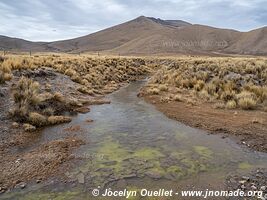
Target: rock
x=233 y=76
x=242 y=182
x=80 y=178
x=253 y=187
x=243 y=187
x=263 y=188
x=18 y=160
x=15 y=125
x=129 y=176
x=246 y=178
x=38 y=181
x=2 y=190
x=22 y=185
x=89 y=120
x=153 y=175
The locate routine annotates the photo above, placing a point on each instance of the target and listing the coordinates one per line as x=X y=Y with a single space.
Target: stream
x=132 y=146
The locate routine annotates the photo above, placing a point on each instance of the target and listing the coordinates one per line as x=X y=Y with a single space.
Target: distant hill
x=147 y=35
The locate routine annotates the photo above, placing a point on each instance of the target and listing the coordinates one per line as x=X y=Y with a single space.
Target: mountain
x=253 y=42
x=148 y=35
x=15 y=44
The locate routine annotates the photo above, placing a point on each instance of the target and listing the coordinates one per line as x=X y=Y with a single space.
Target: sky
x=50 y=20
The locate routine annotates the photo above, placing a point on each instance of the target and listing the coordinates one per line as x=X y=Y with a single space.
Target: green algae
x=113 y=151
x=174 y=169
x=180 y=155
x=148 y=153
x=134 y=188
x=244 y=166
x=203 y=151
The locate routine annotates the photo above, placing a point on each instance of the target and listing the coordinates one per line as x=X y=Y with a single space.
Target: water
x=132 y=146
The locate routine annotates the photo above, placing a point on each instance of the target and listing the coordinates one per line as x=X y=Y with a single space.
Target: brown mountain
x=146 y=35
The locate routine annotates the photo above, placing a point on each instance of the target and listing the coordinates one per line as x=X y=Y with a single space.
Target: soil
x=248 y=127
x=22 y=161
x=38 y=164
x=254 y=181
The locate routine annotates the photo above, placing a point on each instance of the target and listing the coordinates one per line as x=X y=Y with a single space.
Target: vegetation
x=226 y=82
x=40 y=105
x=5 y=71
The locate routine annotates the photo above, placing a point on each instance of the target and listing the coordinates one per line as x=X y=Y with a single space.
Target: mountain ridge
x=149 y=35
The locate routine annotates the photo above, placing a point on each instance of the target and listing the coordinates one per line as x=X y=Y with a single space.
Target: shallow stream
x=132 y=146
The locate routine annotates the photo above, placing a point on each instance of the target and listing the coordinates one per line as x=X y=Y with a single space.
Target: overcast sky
x=49 y=20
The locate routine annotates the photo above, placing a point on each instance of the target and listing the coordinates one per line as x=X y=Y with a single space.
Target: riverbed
x=130 y=145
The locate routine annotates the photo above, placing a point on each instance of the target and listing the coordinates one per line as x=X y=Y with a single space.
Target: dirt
x=40 y=163
x=254 y=181
x=248 y=127
x=22 y=161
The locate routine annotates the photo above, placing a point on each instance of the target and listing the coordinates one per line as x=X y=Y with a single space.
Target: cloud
x=49 y=20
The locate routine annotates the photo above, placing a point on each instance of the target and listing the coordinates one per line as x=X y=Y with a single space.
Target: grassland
x=224 y=95
x=39 y=103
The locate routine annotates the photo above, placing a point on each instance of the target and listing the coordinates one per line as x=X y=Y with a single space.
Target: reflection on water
x=134 y=146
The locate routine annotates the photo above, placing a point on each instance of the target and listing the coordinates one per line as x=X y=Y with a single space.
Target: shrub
x=231 y=104
x=26 y=97
x=85 y=90
x=58 y=119
x=199 y=85
x=247 y=103
x=70 y=72
x=228 y=95
x=5 y=73
x=37 y=119
x=210 y=88
x=203 y=94
x=163 y=88
x=59 y=97
x=29 y=127
x=247 y=100
x=219 y=105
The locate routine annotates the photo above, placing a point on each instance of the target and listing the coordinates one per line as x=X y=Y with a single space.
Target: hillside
x=147 y=35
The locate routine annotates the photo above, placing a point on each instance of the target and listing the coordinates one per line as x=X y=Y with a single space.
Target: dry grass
x=5 y=71
x=35 y=108
x=26 y=98
x=37 y=105
x=58 y=119
x=231 y=104
x=227 y=82
x=93 y=73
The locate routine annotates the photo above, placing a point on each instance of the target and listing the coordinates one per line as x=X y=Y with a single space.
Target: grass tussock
x=58 y=119
x=35 y=108
x=5 y=71
x=226 y=82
